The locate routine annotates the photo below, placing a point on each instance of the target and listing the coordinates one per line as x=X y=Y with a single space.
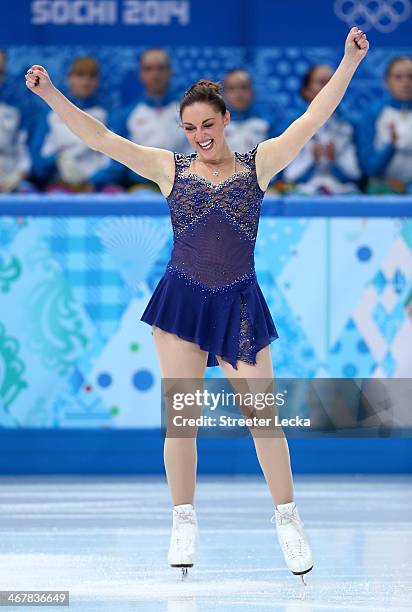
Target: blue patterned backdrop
x=73 y=352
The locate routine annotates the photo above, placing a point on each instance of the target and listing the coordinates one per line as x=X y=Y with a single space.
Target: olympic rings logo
x=383 y=15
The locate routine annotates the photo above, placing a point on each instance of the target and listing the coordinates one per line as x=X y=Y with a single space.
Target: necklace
x=216 y=172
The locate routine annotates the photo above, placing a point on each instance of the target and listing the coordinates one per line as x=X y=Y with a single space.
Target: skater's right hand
x=38 y=81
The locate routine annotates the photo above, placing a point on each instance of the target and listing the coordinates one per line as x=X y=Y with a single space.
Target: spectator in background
x=248 y=125
x=384 y=133
x=148 y=120
x=328 y=162
x=61 y=161
x=15 y=159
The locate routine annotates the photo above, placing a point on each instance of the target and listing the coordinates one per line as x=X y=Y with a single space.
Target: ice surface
x=106 y=539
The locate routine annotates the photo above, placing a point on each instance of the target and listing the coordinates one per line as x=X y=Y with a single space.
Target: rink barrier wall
x=153 y=204
x=140 y=451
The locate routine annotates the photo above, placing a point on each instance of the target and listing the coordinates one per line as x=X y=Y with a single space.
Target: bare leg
x=272 y=452
x=183 y=360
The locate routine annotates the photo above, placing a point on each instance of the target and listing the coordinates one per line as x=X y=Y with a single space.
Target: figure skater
x=208 y=308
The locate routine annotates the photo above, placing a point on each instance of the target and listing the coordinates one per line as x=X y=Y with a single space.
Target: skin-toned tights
x=185 y=360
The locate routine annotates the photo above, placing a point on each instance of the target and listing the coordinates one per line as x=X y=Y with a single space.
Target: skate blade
x=301 y=574
x=182 y=565
x=184 y=568
x=304 y=572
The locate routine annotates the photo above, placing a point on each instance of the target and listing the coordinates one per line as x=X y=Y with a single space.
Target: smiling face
x=204 y=128
x=399 y=80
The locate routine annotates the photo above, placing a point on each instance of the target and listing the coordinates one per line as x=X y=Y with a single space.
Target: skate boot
x=184 y=538
x=292 y=539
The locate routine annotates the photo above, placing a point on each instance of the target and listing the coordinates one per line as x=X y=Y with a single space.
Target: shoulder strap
x=249 y=158
x=181 y=162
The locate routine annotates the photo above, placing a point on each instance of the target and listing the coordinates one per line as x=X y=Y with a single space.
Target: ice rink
x=105 y=540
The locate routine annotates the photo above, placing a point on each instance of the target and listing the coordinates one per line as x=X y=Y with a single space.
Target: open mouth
x=206 y=145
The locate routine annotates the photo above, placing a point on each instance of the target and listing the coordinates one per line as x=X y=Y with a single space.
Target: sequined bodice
x=215 y=225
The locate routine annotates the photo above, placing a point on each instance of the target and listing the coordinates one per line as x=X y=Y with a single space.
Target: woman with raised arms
x=208 y=308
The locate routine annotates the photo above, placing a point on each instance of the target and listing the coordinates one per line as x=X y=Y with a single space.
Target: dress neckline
x=206 y=181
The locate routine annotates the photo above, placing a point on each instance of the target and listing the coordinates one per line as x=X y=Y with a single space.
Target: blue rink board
x=149 y=203
x=139 y=451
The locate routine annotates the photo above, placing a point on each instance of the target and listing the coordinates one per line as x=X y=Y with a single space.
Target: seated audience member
x=15 y=159
x=61 y=161
x=148 y=121
x=385 y=133
x=328 y=162
x=248 y=125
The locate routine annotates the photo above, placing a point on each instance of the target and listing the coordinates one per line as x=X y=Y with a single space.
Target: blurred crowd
x=369 y=154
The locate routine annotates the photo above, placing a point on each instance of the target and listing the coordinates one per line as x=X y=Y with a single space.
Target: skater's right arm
x=152 y=163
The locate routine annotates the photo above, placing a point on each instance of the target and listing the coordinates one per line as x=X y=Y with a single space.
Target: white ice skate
x=184 y=538
x=292 y=539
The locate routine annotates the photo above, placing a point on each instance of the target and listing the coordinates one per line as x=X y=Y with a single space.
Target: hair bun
x=210 y=85
x=204 y=91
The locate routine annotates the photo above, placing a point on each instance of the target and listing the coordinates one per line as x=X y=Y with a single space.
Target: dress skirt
x=233 y=322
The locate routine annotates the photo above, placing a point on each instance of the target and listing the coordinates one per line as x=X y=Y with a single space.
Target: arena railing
x=153 y=204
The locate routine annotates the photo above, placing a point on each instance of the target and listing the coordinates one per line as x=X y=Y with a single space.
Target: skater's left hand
x=356 y=45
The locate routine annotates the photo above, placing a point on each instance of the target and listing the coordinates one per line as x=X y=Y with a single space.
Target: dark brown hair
x=204 y=91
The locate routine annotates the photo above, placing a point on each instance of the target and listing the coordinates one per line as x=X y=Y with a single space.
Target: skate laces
x=296 y=546
x=184 y=535
x=185 y=516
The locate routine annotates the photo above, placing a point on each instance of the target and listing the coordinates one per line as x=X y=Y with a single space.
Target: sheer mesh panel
x=213 y=251
x=247 y=347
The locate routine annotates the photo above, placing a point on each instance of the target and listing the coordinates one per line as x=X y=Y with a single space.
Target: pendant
x=215 y=172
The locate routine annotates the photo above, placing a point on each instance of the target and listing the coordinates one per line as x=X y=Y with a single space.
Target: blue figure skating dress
x=209 y=293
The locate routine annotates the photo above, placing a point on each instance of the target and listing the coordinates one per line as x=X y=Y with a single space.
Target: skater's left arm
x=274 y=154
